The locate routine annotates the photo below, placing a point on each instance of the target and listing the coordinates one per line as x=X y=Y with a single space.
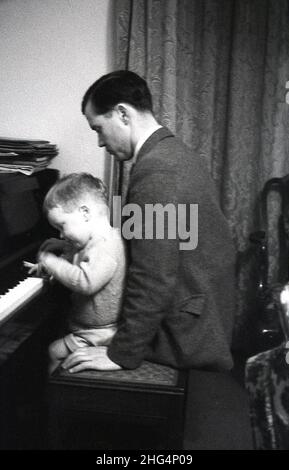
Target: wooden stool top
x=155 y=375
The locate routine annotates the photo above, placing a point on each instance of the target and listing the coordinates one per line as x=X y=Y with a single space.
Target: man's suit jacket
x=179 y=304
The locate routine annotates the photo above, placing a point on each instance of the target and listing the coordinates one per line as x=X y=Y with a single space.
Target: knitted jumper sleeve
x=87 y=276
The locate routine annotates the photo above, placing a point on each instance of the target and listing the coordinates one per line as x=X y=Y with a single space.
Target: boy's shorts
x=92 y=337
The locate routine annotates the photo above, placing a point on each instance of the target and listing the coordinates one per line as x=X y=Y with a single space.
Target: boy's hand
x=36 y=269
x=54 y=245
x=32 y=267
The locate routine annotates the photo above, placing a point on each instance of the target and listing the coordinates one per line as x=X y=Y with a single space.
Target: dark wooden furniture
x=267 y=263
x=24 y=340
x=267 y=384
x=27 y=326
x=137 y=409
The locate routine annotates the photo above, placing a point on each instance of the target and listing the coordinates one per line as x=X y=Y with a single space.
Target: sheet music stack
x=25 y=156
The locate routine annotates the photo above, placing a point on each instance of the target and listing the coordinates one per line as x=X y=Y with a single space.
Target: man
x=179 y=300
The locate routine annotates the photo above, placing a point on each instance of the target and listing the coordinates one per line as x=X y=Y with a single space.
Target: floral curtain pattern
x=217 y=70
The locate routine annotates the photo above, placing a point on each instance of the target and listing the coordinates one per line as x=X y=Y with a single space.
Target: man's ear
x=123 y=113
x=85 y=212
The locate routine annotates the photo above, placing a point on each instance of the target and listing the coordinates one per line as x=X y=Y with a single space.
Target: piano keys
x=16 y=287
x=18 y=296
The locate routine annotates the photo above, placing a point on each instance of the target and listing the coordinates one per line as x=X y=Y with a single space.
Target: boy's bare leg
x=58 y=351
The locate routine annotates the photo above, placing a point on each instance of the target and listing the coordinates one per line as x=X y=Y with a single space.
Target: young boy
x=92 y=264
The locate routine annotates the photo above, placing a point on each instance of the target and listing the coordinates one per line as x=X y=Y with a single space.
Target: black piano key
x=11 y=276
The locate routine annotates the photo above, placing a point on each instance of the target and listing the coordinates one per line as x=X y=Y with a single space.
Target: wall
x=50 y=52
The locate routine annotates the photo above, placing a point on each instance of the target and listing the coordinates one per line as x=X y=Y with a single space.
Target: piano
x=23 y=228
x=29 y=308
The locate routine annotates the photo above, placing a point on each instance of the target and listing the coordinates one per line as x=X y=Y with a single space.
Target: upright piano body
x=28 y=321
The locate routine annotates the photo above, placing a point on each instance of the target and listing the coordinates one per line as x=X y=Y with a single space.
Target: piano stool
x=127 y=409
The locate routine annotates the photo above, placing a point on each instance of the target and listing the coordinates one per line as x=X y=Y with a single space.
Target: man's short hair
x=69 y=190
x=121 y=86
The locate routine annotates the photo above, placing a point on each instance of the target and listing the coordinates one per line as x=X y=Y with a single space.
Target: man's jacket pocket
x=193 y=304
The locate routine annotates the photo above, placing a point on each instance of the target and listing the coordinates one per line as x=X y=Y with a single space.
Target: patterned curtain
x=217 y=70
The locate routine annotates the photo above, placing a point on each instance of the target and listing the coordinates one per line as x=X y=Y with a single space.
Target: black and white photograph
x=144 y=228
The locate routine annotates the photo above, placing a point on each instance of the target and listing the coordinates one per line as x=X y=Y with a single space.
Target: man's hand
x=90 y=357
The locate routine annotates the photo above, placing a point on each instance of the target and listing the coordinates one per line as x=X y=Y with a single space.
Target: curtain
x=217 y=70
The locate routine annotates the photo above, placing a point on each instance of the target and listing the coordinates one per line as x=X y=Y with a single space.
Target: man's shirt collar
x=142 y=140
